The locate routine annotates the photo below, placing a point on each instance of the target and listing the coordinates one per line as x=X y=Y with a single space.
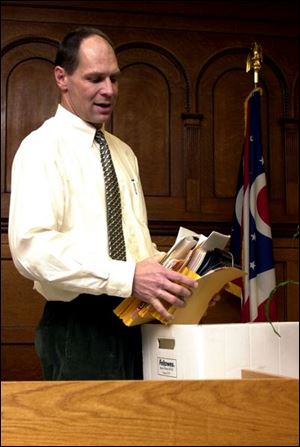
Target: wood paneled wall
x=180 y=107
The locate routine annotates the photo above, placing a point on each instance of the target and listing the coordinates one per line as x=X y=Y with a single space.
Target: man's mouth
x=103 y=105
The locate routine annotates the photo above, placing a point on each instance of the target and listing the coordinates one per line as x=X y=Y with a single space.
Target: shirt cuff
x=121 y=276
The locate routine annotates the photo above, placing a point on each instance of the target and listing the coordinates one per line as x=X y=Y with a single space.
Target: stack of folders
x=196 y=256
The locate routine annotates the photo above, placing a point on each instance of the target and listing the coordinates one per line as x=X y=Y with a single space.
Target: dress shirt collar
x=79 y=129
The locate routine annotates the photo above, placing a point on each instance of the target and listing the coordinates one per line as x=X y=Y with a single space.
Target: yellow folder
x=133 y=311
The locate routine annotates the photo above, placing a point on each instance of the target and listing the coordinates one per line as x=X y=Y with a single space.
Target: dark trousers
x=84 y=340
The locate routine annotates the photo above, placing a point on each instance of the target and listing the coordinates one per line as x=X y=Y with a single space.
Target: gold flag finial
x=254 y=60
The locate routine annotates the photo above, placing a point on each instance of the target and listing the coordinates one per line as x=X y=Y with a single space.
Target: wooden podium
x=255 y=410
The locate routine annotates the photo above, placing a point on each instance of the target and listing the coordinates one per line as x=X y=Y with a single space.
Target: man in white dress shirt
x=58 y=227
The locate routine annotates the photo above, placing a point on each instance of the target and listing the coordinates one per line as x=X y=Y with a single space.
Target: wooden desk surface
x=129 y=413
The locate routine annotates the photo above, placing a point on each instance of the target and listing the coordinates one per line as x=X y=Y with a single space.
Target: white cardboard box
x=219 y=351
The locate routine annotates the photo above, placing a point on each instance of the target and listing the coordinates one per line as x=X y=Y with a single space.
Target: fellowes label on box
x=166 y=367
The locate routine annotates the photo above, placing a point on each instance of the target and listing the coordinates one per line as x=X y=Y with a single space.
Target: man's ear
x=61 y=78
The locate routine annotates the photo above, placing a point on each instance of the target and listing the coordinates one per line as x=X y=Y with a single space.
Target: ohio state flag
x=251 y=238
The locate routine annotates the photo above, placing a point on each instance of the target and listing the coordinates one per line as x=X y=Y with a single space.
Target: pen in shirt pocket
x=134 y=185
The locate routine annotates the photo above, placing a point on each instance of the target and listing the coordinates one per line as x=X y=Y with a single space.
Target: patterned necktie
x=116 y=243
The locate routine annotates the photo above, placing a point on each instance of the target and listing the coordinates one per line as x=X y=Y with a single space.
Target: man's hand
x=154 y=284
x=215 y=299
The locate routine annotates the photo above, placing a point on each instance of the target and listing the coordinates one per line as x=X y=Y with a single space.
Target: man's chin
x=99 y=120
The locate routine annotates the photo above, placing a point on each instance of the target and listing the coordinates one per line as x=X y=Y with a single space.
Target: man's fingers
x=215 y=299
x=157 y=304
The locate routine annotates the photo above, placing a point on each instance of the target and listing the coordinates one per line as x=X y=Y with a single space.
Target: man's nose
x=107 y=87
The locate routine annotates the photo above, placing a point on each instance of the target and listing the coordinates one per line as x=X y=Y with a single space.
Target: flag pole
x=254 y=61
